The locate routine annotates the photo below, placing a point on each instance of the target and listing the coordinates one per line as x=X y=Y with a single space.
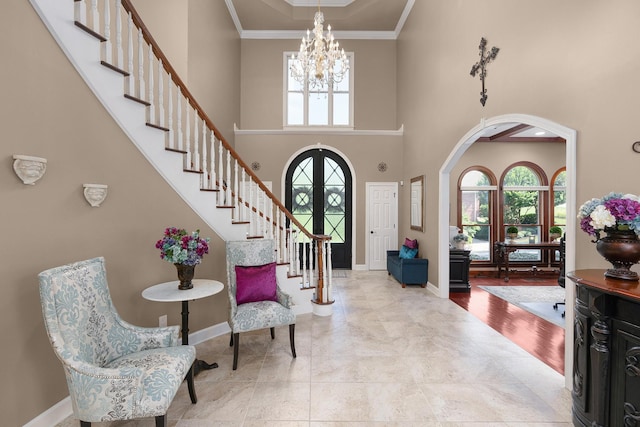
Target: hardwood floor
x=537 y=336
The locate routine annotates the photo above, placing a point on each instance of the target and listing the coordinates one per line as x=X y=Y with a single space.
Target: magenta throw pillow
x=411 y=244
x=256 y=283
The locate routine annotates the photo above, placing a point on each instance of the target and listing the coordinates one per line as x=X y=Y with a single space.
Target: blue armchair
x=114 y=370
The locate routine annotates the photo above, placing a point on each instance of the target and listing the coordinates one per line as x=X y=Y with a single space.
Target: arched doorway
x=318 y=187
x=570 y=136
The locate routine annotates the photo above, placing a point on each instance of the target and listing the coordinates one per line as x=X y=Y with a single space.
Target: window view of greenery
x=560 y=200
x=522 y=209
x=476 y=217
x=522 y=194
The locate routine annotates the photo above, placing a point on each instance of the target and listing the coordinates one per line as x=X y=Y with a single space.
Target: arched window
x=476 y=200
x=559 y=199
x=523 y=202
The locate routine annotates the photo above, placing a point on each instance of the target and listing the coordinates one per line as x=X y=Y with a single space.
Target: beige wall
x=262 y=83
x=363 y=153
x=570 y=62
x=499 y=156
x=168 y=22
x=48 y=111
x=374 y=109
x=202 y=44
x=573 y=62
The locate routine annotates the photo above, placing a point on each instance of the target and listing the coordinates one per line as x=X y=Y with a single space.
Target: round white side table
x=169 y=292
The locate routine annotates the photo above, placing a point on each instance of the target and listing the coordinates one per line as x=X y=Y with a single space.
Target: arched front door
x=318 y=194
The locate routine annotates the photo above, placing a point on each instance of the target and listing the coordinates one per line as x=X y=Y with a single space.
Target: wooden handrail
x=146 y=34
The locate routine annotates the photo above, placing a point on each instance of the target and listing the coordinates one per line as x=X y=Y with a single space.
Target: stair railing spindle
x=212 y=164
x=228 y=201
x=204 y=181
x=196 y=142
x=107 y=48
x=220 y=175
x=141 y=84
x=161 y=111
x=170 y=108
x=119 y=52
x=95 y=16
x=151 y=109
x=80 y=12
x=131 y=80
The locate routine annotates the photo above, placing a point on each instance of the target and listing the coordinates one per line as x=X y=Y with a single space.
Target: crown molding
x=319 y=131
x=296 y=35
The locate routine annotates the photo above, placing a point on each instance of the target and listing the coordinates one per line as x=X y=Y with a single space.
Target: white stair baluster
x=220 y=174
x=304 y=265
x=250 y=208
x=170 y=108
x=227 y=194
x=160 y=93
x=236 y=188
x=187 y=137
x=196 y=142
x=107 y=48
x=95 y=16
x=80 y=12
x=119 y=53
x=243 y=195
x=141 y=85
x=150 y=96
x=329 y=277
x=179 y=119
x=212 y=165
x=205 y=163
x=131 y=91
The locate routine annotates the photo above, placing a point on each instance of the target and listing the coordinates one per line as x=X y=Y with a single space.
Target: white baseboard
x=54 y=415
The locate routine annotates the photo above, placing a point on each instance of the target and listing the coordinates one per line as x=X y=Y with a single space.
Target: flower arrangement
x=615 y=211
x=179 y=247
x=461 y=237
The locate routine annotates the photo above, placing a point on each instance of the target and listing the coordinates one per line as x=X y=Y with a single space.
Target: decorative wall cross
x=481 y=66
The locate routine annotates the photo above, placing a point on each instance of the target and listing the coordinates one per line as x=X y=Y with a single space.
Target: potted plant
x=460 y=240
x=512 y=232
x=555 y=232
x=184 y=250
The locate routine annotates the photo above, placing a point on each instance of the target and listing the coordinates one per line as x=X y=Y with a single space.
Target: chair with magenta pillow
x=254 y=295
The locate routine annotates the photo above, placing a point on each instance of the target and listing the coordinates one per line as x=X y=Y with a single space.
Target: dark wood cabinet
x=606 y=365
x=459 y=262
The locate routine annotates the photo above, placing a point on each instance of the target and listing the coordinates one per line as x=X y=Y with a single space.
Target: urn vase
x=622 y=249
x=185 y=275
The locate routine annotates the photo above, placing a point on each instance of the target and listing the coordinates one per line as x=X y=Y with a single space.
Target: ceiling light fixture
x=320 y=61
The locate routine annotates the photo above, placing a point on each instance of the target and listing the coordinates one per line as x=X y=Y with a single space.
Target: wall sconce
x=28 y=168
x=95 y=194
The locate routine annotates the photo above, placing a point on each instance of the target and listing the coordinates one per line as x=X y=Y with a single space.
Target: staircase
x=117 y=57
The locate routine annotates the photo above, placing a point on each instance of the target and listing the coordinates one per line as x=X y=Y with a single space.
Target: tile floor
x=387 y=356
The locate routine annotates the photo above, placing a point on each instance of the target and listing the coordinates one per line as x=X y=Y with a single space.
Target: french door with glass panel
x=318 y=194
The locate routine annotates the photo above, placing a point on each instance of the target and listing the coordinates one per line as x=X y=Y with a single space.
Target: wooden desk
x=503 y=249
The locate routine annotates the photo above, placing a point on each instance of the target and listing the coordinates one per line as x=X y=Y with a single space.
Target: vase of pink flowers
x=184 y=250
x=618 y=216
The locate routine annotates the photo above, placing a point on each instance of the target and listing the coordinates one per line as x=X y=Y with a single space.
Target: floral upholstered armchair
x=114 y=370
x=256 y=301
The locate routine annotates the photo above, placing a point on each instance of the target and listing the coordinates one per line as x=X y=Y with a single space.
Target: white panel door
x=382 y=221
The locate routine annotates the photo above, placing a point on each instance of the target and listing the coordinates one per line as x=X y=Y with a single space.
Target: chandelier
x=320 y=61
